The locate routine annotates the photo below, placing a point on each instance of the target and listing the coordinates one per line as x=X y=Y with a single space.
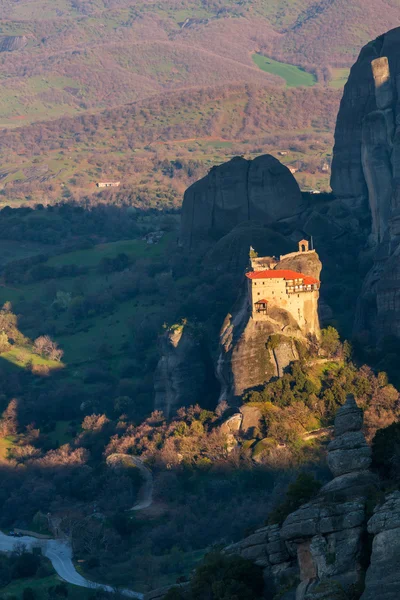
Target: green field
x=24 y=356
x=339 y=78
x=294 y=76
x=81 y=341
x=92 y=257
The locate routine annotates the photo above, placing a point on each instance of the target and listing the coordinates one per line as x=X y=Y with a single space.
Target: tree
x=222 y=577
x=26 y=565
x=28 y=594
x=4 y=343
x=299 y=492
x=330 y=340
x=9 y=419
x=44 y=346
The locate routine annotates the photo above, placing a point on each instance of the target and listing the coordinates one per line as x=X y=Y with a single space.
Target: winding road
x=60 y=552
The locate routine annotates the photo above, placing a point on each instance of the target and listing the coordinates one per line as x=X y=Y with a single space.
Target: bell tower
x=304 y=246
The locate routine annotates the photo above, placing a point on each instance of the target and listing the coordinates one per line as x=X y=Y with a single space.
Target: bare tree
x=45 y=346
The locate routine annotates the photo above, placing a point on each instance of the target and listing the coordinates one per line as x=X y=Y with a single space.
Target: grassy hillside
x=158 y=147
x=67 y=58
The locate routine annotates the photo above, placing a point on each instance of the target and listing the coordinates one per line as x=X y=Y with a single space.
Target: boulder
x=348 y=418
x=232 y=424
x=265 y=547
x=305 y=262
x=261 y=190
x=251 y=420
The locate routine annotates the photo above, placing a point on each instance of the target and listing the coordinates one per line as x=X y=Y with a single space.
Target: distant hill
x=159 y=146
x=78 y=56
x=209 y=77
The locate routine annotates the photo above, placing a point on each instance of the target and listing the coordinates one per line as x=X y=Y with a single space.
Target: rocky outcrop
x=185 y=373
x=231 y=253
x=328 y=532
x=383 y=575
x=318 y=552
x=366 y=175
x=304 y=262
x=261 y=190
x=246 y=358
x=251 y=420
x=267 y=549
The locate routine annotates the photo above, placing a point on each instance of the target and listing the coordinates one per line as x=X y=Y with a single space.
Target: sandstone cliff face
x=366 y=173
x=184 y=374
x=320 y=547
x=245 y=361
x=261 y=190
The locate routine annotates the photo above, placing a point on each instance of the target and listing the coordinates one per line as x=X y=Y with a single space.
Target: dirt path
x=145 y=495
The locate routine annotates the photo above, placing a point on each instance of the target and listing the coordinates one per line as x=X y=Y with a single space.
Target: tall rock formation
x=261 y=190
x=366 y=174
x=248 y=356
x=185 y=373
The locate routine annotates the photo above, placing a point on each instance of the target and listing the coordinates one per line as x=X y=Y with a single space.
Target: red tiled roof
x=310 y=280
x=262 y=302
x=281 y=274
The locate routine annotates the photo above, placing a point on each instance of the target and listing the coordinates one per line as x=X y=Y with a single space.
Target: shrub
x=26 y=565
x=4 y=343
x=222 y=577
x=299 y=492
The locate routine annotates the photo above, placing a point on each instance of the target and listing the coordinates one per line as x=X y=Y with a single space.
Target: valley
x=199 y=336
